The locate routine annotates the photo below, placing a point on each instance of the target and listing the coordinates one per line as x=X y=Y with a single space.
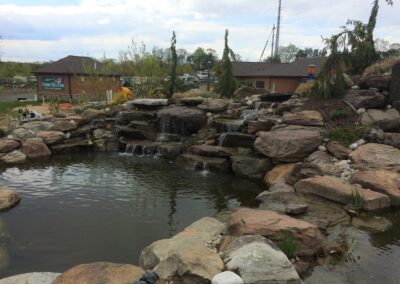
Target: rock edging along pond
x=292 y=153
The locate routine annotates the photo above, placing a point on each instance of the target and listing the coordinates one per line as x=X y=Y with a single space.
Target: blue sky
x=43 y=30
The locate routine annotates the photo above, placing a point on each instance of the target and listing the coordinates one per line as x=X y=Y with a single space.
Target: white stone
x=31 y=278
x=322 y=148
x=361 y=110
x=227 y=277
x=353 y=146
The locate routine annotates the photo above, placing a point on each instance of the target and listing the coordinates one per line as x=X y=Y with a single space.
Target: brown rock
x=365 y=99
x=380 y=82
x=337 y=150
x=64 y=125
x=8 y=145
x=272 y=225
x=302 y=171
x=205 y=163
x=91 y=114
x=51 y=137
x=392 y=139
x=334 y=189
x=213 y=151
x=8 y=198
x=35 y=148
x=306 y=118
x=101 y=273
x=324 y=161
x=255 y=126
x=250 y=166
x=376 y=156
x=383 y=181
x=278 y=174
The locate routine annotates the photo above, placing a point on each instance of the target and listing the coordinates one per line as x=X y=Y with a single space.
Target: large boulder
x=279 y=174
x=31 y=278
x=180 y=120
x=22 y=133
x=100 y=273
x=65 y=125
x=288 y=144
x=8 y=145
x=259 y=260
x=35 y=148
x=194 y=264
x=334 y=189
x=384 y=119
x=380 y=82
x=36 y=126
x=124 y=117
x=325 y=162
x=199 y=233
x=52 y=137
x=91 y=114
x=8 y=198
x=365 y=99
x=376 y=156
x=214 y=105
x=306 y=118
x=13 y=157
x=384 y=181
x=254 y=126
x=251 y=167
x=273 y=225
x=337 y=150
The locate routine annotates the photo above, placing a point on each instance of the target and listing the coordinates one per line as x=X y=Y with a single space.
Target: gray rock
x=51 y=137
x=31 y=278
x=384 y=119
x=214 y=105
x=260 y=261
x=124 y=117
x=226 y=277
x=237 y=139
x=325 y=162
x=103 y=134
x=147 y=103
x=64 y=125
x=22 y=134
x=13 y=157
x=8 y=198
x=366 y=99
x=180 y=120
x=36 y=126
x=392 y=139
x=250 y=166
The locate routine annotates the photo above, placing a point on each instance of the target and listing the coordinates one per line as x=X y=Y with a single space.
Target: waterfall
x=205 y=171
x=248 y=114
x=222 y=138
x=133 y=149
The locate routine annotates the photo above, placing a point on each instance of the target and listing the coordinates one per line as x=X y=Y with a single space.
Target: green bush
x=289 y=245
x=347 y=136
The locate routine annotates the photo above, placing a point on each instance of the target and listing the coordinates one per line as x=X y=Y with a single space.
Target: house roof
x=73 y=65
x=298 y=68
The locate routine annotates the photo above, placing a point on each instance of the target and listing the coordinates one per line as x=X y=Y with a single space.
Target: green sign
x=53 y=83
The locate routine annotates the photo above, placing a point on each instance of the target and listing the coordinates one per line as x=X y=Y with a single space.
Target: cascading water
x=205 y=171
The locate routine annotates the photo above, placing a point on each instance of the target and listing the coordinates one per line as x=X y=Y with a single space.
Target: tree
x=352 y=50
x=174 y=63
x=227 y=81
x=202 y=59
x=288 y=53
x=309 y=52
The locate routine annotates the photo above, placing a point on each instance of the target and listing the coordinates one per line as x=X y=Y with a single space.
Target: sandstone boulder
x=259 y=260
x=384 y=119
x=31 y=278
x=8 y=198
x=64 y=125
x=272 y=225
x=90 y=114
x=180 y=120
x=325 y=162
x=288 y=144
x=100 y=273
x=21 y=134
x=366 y=99
x=335 y=190
x=52 y=137
x=36 y=126
x=8 y=145
x=302 y=171
x=255 y=126
x=213 y=151
x=251 y=167
x=13 y=157
x=376 y=156
x=337 y=150
x=306 y=118
x=198 y=233
x=214 y=105
x=35 y=148
x=278 y=174
x=379 y=180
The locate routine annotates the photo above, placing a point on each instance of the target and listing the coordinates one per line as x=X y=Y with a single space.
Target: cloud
x=45 y=31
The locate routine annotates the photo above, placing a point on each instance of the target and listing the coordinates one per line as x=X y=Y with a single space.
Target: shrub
x=304 y=89
x=335 y=114
x=357 y=199
x=381 y=67
x=289 y=245
x=347 y=136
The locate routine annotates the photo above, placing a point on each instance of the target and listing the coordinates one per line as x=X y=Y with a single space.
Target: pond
x=106 y=207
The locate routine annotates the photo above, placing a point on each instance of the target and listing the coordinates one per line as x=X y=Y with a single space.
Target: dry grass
x=381 y=67
x=192 y=93
x=304 y=89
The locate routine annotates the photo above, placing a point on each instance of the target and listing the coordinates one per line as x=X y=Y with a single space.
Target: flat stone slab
x=306 y=118
x=376 y=156
x=213 y=151
x=334 y=189
x=148 y=103
x=31 y=278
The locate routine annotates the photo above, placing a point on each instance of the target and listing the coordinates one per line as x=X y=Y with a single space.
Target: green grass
x=289 y=245
x=347 y=136
x=357 y=199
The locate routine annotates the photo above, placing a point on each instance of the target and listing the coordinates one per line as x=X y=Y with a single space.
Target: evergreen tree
x=227 y=84
x=174 y=63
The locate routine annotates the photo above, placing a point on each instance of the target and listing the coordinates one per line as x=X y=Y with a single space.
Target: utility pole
x=273 y=41
x=278 y=29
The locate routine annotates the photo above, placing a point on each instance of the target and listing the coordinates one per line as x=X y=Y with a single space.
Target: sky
x=43 y=30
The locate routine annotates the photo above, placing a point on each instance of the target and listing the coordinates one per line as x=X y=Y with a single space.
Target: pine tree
x=174 y=63
x=227 y=82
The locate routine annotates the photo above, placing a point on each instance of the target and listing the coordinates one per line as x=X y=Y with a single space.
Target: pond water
x=91 y=207
x=106 y=207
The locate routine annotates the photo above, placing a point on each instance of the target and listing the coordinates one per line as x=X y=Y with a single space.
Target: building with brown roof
x=277 y=77
x=76 y=78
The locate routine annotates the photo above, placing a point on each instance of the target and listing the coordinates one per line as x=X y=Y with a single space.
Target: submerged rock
x=258 y=260
x=101 y=273
x=272 y=225
x=8 y=198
